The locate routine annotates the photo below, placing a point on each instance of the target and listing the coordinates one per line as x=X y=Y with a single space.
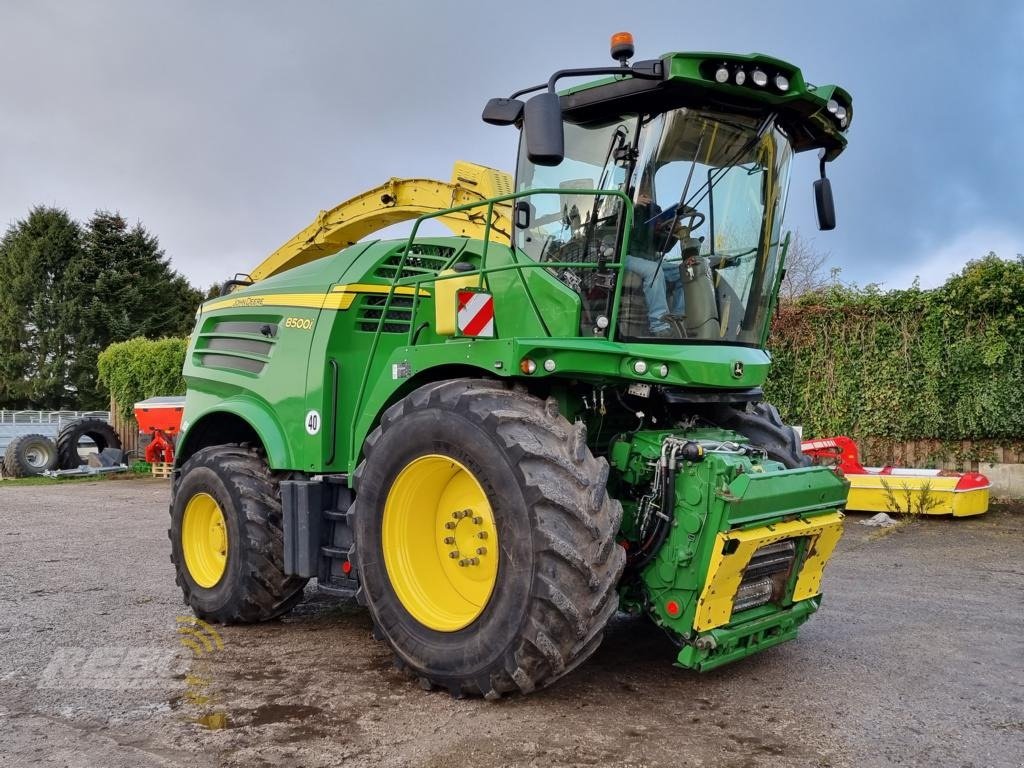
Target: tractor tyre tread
x=573 y=525
x=15 y=462
x=99 y=431
x=763 y=426
x=259 y=590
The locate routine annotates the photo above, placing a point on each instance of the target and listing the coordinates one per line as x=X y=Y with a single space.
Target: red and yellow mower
x=901 y=489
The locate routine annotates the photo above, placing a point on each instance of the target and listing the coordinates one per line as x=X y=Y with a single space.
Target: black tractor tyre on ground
x=559 y=563
x=29 y=455
x=254 y=586
x=97 y=430
x=762 y=425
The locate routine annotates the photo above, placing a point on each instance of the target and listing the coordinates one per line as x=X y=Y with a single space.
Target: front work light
x=782 y=83
x=722 y=74
x=760 y=78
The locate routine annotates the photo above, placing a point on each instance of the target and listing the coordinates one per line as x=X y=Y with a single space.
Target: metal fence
x=49 y=423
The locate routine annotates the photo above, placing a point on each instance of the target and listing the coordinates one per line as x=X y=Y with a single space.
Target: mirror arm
x=640 y=74
x=531 y=89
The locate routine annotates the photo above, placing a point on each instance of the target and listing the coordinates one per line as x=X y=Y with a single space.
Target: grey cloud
x=225 y=127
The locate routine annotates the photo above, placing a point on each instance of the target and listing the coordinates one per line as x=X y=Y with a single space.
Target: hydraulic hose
x=690 y=451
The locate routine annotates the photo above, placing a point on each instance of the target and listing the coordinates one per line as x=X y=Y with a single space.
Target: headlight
x=722 y=74
x=741 y=77
x=832 y=106
x=640 y=367
x=782 y=83
x=760 y=78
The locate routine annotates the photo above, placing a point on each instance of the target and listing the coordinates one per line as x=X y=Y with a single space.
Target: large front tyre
x=485 y=539
x=227 y=543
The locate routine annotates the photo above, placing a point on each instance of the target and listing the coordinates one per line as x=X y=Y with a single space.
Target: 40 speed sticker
x=313 y=422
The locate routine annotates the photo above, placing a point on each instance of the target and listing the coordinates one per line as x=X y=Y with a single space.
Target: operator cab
x=658 y=195
x=708 y=193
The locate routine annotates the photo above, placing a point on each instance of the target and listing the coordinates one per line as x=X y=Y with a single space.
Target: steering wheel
x=684 y=212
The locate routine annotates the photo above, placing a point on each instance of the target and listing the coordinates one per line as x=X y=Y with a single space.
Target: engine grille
x=239 y=344
x=371 y=307
x=765 y=577
x=424 y=259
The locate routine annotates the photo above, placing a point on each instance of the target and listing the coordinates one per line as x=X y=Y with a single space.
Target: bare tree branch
x=805 y=270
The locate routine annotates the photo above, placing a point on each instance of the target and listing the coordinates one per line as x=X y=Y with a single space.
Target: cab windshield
x=577 y=233
x=709 y=193
x=701 y=262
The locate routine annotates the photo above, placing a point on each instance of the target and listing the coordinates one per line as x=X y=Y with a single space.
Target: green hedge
x=139 y=368
x=944 y=364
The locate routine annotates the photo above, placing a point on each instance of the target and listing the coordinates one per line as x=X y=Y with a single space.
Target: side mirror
x=824 y=204
x=545 y=141
x=503 y=111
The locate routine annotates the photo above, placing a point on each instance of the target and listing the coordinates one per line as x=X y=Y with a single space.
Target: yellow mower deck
x=929 y=495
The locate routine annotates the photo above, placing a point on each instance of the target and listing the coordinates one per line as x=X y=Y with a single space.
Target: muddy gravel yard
x=916 y=658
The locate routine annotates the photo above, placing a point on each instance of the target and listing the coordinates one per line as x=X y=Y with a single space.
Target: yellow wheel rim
x=440 y=543
x=204 y=540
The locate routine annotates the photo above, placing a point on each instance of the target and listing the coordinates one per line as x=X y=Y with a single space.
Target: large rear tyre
x=227 y=543
x=29 y=455
x=98 y=431
x=485 y=539
x=762 y=425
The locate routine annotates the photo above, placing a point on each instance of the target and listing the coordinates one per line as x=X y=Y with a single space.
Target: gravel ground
x=914 y=659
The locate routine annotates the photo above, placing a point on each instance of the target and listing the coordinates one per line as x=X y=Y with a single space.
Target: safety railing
x=518 y=266
x=47 y=423
x=49 y=417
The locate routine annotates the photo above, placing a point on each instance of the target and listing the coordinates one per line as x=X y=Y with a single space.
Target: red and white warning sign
x=476 y=313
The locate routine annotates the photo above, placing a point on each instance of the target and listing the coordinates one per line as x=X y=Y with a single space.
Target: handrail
x=518 y=266
x=484 y=270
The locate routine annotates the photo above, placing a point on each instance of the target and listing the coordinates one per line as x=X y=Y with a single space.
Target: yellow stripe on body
x=725 y=571
x=401 y=290
x=308 y=300
x=340 y=298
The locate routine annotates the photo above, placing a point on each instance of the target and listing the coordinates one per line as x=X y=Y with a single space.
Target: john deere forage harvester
x=498 y=439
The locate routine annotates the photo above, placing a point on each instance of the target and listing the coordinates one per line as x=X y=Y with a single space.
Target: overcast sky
x=224 y=127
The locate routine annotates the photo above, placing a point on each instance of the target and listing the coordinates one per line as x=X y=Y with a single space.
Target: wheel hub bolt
x=449 y=539
x=478 y=520
x=450 y=525
x=481 y=550
x=474 y=561
x=482 y=535
x=453 y=554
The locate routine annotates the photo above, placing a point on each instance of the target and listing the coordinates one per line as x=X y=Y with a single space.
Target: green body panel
x=747 y=637
x=311 y=358
x=299 y=373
